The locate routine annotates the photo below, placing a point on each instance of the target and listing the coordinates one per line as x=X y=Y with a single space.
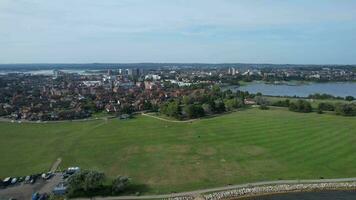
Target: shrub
x=194 y=111
x=231 y=104
x=326 y=106
x=284 y=103
x=264 y=107
x=349 y=98
x=85 y=181
x=300 y=106
x=120 y=184
x=345 y=109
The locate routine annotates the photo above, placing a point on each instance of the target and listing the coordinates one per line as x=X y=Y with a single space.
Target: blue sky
x=254 y=31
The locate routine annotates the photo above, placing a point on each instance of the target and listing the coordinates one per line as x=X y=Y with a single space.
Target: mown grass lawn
x=244 y=146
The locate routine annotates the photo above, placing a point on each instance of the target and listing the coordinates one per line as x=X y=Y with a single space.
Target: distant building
x=232 y=71
x=153 y=77
x=57 y=73
x=249 y=101
x=133 y=72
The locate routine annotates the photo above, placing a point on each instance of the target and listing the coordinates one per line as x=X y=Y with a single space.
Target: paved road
x=218 y=189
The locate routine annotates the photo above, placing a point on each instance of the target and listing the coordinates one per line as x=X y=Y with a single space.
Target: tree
x=234 y=103
x=85 y=180
x=345 y=109
x=300 y=106
x=284 y=103
x=323 y=106
x=349 y=98
x=207 y=108
x=147 y=105
x=126 y=109
x=186 y=100
x=194 y=111
x=220 y=107
x=261 y=101
x=2 y=111
x=120 y=184
x=216 y=89
x=171 y=109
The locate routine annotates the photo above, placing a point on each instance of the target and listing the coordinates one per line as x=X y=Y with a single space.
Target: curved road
x=219 y=189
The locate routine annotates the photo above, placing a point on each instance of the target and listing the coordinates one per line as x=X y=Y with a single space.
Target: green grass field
x=244 y=146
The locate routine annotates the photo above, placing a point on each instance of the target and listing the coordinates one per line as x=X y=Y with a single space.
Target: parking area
x=24 y=190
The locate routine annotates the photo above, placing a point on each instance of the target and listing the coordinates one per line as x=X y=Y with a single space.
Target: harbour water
x=341 y=89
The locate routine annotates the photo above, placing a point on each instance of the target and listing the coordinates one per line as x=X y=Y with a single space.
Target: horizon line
x=194 y=63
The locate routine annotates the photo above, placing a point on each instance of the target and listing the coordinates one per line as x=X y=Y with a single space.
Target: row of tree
x=345 y=109
x=87 y=182
x=329 y=96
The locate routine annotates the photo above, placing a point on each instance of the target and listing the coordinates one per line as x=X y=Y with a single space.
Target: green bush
x=346 y=109
x=120 y=184
x=326 y=106
x=85 y=181
x=300 y=106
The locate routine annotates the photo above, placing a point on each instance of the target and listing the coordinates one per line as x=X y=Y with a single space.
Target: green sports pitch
x=244 y=146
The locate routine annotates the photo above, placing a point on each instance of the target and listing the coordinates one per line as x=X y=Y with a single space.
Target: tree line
x=93 y=183
x=204 y=102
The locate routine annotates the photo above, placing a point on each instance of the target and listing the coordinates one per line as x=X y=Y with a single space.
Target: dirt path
x=56 y=165
x=168 y=120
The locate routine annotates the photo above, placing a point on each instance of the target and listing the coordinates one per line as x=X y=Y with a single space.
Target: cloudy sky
x=258 y=31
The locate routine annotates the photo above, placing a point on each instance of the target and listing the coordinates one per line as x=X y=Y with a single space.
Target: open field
x=245 y=146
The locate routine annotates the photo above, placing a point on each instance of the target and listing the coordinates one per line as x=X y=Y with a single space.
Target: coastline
x=245 y=193
x=248 y=190
x=291 y=192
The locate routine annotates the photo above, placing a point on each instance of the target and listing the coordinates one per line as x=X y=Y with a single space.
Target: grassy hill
x=244 y=146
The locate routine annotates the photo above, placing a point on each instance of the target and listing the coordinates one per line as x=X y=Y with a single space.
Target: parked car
x=7 y=181
x=20 y=179
x=47 y=176
x=35 y=196
x=13 y=181
x=72 y=170
x=43 y=196
x=60 y=189
x=34 y=178
x=27 y=179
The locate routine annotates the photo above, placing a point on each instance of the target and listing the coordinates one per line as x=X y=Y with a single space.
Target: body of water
x=341 y=89
x=332 y=195
x=50 y=71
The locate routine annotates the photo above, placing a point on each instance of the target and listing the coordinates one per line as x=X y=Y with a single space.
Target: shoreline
x=270 y=190
x=291 y=192
x=248 y=190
